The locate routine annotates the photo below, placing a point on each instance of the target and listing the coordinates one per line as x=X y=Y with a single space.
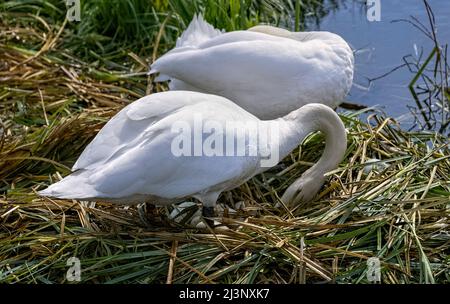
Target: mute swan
x=266 y=70
x=132 y=159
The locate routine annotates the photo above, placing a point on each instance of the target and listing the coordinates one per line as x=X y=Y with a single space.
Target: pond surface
x=381 y=47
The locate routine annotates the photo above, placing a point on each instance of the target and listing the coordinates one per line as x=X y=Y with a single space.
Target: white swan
x=132 y=158
x=266 y=70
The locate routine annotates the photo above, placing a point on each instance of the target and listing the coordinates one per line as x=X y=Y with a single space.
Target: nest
x=395 y=209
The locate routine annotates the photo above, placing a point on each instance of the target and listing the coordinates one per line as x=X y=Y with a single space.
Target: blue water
x=382 y=45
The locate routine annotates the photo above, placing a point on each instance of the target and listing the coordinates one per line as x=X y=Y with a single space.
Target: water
x=381 y=47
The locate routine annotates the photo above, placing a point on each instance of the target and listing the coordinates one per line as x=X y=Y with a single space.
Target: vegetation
x=61 y=81
x=430 y=86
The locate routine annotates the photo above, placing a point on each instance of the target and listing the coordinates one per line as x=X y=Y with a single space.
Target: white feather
x=131 y=158
x=197 y=32
x=268 y=71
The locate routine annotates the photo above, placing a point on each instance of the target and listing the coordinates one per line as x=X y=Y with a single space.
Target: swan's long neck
x=306 y=120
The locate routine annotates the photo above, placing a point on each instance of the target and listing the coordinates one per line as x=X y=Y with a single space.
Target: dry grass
x=52 y=104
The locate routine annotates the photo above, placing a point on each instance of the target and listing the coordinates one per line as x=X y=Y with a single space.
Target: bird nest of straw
x=395 y=209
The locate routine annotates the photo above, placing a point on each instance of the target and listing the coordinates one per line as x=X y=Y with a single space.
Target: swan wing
x=193 y=39
x=128 y=126
x=143 y=163
x=262 y=73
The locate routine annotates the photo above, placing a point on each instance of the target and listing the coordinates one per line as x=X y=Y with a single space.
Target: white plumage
x=266 y=70
x=131 y=160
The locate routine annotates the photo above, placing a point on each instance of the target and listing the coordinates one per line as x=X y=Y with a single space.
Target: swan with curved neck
x=266 y=70
x=132 y=158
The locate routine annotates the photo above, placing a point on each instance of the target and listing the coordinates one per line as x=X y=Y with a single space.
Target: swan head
x=303 y=189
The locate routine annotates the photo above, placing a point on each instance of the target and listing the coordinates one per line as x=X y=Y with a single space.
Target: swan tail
x=73 y=186
x=164 y=60
x=159 y=78
x=197 y=32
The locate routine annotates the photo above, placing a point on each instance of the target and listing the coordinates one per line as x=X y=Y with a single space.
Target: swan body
x=131 y=159
x=266 y=70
